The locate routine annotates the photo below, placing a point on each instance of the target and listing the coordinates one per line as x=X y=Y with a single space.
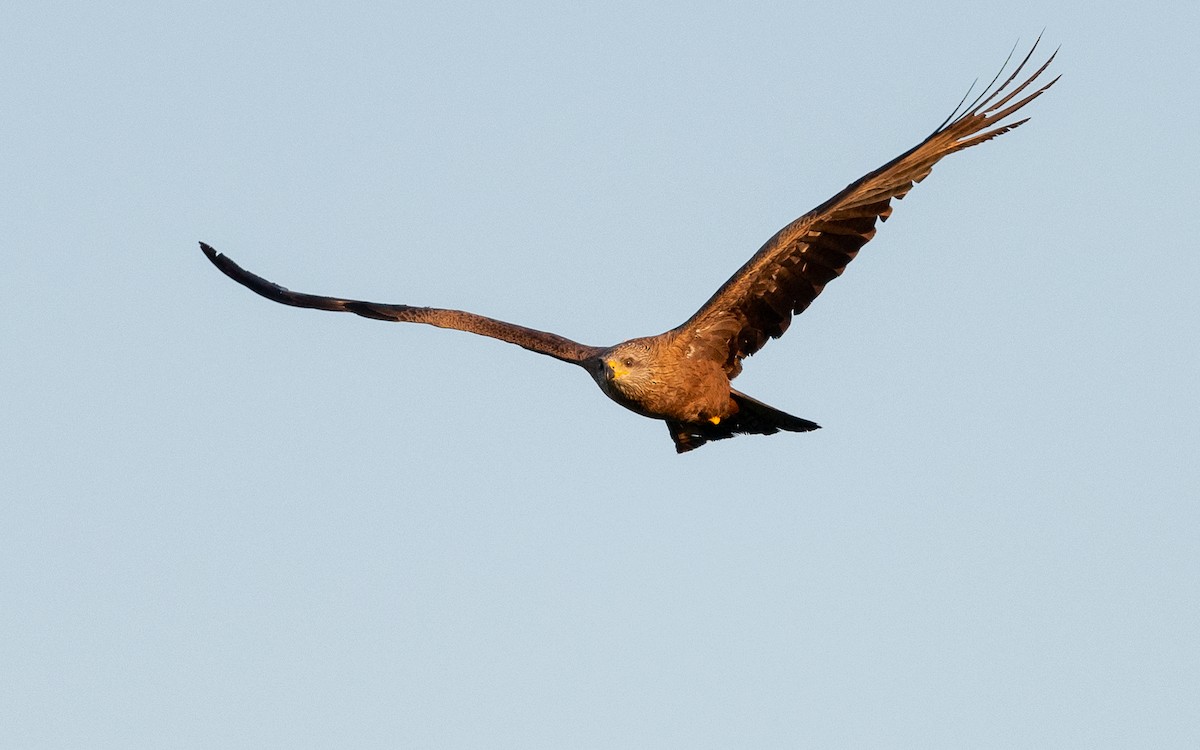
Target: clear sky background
x=231 y=524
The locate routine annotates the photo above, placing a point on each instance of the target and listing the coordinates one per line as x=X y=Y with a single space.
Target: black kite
x=682 y=376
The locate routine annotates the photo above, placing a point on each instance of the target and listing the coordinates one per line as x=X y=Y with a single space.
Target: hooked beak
x=614 y=370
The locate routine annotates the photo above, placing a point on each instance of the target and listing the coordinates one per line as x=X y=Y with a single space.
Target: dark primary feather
x=792 y=268
x=538 y=341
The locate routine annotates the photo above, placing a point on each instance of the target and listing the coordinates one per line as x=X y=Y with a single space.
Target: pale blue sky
x=228 y=523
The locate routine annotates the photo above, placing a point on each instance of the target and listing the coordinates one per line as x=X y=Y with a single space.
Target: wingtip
x=208 y=250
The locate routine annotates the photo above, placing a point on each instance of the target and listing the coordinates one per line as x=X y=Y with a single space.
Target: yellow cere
x=618 y=370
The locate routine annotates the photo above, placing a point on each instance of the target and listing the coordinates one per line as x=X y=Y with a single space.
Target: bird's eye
x=628 y=362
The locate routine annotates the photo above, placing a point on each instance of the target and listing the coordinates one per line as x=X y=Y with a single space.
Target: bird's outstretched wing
x=537 y=341
x=791 y=269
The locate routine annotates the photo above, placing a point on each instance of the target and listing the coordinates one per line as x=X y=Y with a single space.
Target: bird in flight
x=683 y=376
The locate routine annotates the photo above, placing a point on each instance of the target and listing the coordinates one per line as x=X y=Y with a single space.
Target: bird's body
x=683 y=376
x=660 y=377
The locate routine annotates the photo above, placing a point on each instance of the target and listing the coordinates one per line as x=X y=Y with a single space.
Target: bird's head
x=627 y=367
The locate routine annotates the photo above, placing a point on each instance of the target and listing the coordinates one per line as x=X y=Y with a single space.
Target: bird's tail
x=752 y=418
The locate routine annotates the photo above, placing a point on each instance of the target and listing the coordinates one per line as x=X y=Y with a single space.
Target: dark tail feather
x=753 y=418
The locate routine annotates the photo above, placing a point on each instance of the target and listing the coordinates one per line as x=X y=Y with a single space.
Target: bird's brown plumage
x=793 y=267
x=682 y=376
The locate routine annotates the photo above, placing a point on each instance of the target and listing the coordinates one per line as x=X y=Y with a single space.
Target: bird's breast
x=686 y=391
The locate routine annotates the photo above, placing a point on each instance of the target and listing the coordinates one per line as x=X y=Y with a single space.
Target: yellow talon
x=715 y=420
